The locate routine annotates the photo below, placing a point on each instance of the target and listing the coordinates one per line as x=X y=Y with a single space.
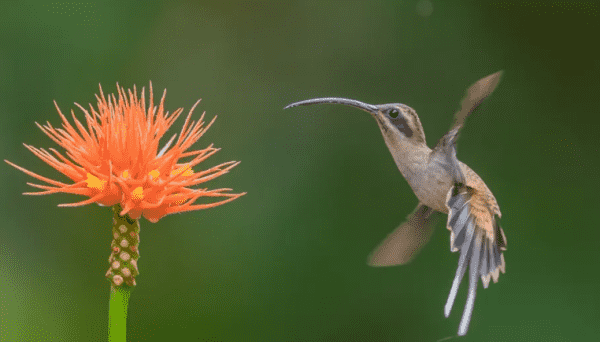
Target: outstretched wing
x=476 y=93
x=406 y=240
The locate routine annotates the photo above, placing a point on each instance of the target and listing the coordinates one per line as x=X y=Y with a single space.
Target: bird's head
x=398 y=122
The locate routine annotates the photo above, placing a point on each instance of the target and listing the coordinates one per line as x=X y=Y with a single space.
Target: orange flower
x=116 y=159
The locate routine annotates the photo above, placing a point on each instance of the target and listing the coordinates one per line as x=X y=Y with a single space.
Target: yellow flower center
x=186 y=169
x=125 y=174
x=154 y=174
x=138 y=193
x=177 y=199
x=95 y=182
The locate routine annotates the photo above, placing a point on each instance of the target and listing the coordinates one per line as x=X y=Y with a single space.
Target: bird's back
x=483 y=202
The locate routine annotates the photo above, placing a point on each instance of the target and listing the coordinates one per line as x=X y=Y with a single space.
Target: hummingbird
x=443 y=185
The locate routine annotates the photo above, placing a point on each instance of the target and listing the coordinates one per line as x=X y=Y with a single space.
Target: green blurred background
x=287 y=262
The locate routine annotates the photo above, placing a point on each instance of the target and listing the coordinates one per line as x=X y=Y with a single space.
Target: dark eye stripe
x=402 y=126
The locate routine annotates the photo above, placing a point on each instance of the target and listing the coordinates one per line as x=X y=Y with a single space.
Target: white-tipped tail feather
x=480 y=247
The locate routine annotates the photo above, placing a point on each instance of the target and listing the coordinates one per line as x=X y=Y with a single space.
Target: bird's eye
x=393 y=113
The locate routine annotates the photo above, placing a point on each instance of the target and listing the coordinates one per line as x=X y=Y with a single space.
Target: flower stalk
x=124 y=250
x=117 y=313
x=122 y=271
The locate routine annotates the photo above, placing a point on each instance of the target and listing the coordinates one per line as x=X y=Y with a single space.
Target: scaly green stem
x=122 y=272
x=117 y=313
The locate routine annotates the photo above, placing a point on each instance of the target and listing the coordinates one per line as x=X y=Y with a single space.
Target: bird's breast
x=429 y=179
x=431 y=186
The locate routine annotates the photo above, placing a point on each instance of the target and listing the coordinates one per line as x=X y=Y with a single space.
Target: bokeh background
x=287 y=262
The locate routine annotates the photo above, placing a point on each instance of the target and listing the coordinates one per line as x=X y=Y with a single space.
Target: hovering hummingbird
x=443 y=185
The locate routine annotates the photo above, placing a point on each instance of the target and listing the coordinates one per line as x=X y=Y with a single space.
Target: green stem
x=117 y=313
x=122 y=272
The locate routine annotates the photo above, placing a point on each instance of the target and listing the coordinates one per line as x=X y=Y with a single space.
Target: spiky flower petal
x=115 y=158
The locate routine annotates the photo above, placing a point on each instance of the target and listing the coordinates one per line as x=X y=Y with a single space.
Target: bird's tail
x=480 y=246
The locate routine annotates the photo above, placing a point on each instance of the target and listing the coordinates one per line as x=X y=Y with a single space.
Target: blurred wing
x=404 y=242
x=473 y=98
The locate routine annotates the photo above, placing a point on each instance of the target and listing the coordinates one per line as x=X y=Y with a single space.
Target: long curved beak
x=336 y=100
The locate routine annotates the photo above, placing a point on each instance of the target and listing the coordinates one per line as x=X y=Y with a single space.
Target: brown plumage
x=484 y=205
x=442 y=184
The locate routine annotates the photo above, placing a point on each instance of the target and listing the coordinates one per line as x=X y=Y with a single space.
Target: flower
x=116 y=159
